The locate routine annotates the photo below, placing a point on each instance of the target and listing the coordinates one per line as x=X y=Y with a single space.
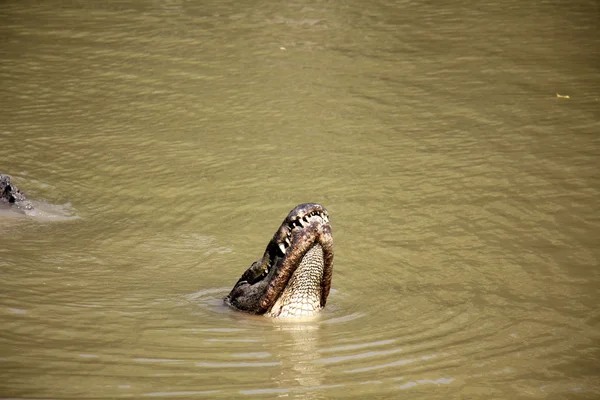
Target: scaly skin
x=293 y=278
x=10 y=194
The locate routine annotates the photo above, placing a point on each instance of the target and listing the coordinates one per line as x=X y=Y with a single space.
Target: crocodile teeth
x=301 y=222
x=282 y=247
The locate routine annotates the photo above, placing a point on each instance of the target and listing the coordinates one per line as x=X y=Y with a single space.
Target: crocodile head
x=11 y=194
x=293 y=277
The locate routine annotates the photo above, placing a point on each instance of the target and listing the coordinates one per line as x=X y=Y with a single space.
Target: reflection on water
x=163 y=142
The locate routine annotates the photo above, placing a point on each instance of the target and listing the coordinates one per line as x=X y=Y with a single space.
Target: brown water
x=464 y=197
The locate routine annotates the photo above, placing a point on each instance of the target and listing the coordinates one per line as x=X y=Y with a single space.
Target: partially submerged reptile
x=293 y=277
x=11 y=195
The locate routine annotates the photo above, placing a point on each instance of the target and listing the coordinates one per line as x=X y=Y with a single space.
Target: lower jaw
x=302 y=297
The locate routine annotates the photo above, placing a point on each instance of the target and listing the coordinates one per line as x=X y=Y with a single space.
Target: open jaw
x=293 y=278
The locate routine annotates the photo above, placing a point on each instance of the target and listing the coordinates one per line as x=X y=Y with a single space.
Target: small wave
x=52 y=212
x=42 y=212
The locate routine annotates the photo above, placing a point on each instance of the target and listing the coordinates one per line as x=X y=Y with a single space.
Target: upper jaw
x=304 y=218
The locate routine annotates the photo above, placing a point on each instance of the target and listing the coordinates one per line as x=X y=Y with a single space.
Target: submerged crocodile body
x=293 y=277
x=10 y=194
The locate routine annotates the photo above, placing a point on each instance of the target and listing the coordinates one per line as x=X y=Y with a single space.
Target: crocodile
x=293 y=277
x=11 y=195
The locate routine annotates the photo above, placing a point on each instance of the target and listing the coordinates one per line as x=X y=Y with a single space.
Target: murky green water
x=463 y=194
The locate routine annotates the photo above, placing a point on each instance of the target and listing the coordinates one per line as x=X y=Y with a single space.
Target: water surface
x=462 y=185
